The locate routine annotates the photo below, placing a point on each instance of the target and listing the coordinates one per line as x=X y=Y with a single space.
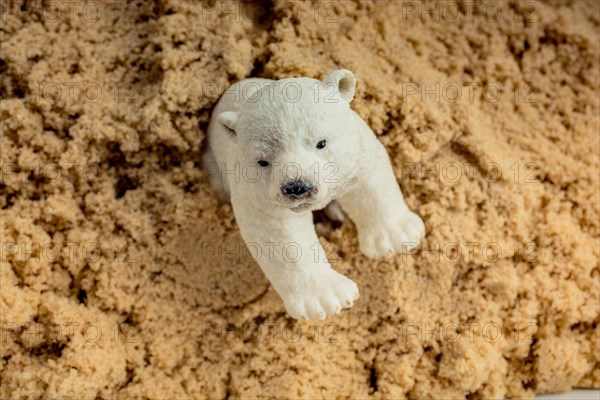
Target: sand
x=122 y=275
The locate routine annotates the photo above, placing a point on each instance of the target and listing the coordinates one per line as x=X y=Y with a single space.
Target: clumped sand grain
x=122 y=276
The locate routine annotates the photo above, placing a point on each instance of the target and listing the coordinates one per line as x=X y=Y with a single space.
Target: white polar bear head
x=300 y=137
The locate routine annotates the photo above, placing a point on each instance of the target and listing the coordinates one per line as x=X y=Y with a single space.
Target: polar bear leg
x=385 y=224
x=289 y=253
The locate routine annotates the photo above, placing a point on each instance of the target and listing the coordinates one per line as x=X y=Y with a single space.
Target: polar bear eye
x=322 y=144
x=263 y=163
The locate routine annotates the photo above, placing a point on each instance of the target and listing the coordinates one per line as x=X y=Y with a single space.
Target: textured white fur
x=281 y=122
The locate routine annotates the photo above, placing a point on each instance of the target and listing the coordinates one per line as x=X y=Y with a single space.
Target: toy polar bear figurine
x=282 y=149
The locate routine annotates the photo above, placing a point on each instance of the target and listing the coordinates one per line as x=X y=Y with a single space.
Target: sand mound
x=122 y=276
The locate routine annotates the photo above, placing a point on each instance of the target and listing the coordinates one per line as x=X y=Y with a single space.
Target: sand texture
x=122 y=276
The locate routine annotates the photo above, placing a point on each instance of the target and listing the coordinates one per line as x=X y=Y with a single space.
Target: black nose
x=297 y=190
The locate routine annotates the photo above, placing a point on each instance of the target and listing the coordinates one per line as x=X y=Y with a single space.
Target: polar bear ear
x=229 y=120
x=343 y=81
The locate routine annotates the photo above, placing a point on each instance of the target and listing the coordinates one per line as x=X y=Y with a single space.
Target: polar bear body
x=281 y=149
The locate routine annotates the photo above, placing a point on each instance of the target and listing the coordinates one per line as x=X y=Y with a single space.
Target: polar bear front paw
x=328 y=293
x=395 y=234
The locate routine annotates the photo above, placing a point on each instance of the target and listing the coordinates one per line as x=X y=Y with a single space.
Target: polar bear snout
x=297 y=190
